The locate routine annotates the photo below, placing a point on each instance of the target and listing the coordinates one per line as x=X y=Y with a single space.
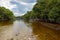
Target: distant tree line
x=6 y=14
x=45 y=10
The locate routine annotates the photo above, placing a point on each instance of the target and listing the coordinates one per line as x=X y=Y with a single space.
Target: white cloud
x=7 y=4
x=26 y=1
x=29 y=6
x=17 y=12
x=23 y=3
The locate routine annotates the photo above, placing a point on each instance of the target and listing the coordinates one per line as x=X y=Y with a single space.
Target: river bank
x=55 y=26
x=51 y=25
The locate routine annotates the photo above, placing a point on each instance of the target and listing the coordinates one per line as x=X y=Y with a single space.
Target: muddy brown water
x=20 y=30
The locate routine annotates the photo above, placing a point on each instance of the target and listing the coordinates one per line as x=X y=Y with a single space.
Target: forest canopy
x=6 y=14
x=45 y=10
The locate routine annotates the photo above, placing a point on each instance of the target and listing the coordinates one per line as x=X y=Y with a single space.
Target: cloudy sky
x=19 y=7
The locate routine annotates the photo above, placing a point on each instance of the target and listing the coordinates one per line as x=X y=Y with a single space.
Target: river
x=21 y=30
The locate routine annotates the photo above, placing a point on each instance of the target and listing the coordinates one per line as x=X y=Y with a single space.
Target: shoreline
x=51 y=25
x=55 y=26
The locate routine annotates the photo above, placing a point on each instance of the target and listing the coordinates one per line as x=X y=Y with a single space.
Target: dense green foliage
x=6 y=14
x=45 y=10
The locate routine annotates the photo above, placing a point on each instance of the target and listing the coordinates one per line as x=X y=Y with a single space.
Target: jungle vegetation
x=6 y=14
x=45 y=10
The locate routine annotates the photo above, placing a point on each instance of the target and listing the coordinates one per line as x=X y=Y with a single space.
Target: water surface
x=20 y=30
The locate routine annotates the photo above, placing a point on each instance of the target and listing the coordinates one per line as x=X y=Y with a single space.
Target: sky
x=18 y=7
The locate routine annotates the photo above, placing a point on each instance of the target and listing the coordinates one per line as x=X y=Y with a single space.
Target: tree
x=46 y=10
x=6 y=14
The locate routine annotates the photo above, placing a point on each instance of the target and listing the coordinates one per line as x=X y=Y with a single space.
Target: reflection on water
x=4 y=26
x=17 y=30
x=44 y=33
x=20 y=30
x=5 y=23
